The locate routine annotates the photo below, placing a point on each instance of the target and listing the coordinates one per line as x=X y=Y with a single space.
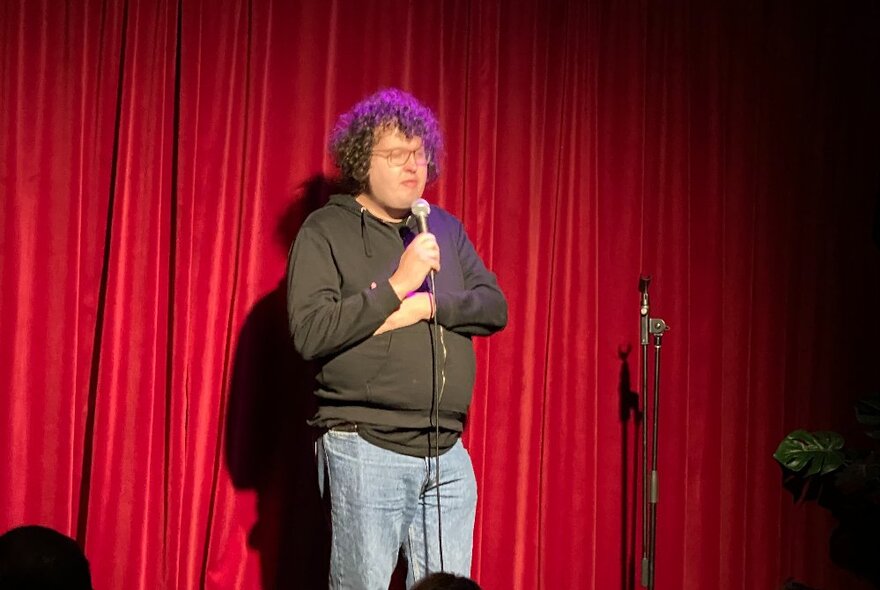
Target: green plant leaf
x=818 y=453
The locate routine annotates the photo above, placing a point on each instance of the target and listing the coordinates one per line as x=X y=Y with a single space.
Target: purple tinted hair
x=355 y=134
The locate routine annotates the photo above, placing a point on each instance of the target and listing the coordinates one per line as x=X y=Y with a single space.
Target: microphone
x=421 y=209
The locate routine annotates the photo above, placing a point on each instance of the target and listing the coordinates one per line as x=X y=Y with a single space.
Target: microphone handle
x=422 y=221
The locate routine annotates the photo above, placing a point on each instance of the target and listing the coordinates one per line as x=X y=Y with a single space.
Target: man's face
x=395 y=184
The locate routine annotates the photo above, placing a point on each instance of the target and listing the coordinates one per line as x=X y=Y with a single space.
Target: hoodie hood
x=369 y=223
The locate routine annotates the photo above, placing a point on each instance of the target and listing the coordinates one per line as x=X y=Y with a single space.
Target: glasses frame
x=387 y=153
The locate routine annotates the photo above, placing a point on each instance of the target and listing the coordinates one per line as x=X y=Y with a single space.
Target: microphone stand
x=648 y=327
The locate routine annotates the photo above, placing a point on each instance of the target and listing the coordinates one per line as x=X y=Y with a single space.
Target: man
x=359 y=304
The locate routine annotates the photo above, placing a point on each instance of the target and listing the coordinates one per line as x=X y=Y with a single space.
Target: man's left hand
x=415 y=308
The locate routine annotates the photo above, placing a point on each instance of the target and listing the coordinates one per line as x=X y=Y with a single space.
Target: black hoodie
x=338 y=295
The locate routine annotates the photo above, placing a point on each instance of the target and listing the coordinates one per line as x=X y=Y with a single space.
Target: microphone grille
x=421 y=208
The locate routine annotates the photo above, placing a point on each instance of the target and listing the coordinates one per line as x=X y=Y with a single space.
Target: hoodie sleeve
x=480 y=309
x=321 y=321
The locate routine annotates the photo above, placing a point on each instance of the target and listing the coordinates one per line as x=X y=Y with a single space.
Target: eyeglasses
x=398 y=157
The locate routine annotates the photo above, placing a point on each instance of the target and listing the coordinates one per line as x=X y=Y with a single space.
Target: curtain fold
x=158 y=159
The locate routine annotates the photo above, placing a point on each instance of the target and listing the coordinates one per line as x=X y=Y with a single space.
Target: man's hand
x=413 y=309
x=419 y=258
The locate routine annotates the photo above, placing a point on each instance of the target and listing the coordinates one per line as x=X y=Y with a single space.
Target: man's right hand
x=419 y=258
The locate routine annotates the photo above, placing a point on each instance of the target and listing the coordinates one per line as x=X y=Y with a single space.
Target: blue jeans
x=382 y=501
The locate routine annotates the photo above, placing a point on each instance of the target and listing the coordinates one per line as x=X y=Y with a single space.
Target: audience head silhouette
x=446 y=581
x=35 y=557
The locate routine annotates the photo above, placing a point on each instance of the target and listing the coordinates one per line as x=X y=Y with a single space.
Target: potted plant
x=845 y=480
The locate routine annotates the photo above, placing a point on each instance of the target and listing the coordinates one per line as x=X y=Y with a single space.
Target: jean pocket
x=342 y=434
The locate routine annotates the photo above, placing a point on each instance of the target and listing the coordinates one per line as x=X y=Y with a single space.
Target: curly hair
x=355 y=134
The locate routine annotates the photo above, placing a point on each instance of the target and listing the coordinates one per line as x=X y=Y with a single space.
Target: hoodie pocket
x=346 y=375
x=405 y=379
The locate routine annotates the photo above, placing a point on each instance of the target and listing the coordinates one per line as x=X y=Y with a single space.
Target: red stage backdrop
x=157 y=158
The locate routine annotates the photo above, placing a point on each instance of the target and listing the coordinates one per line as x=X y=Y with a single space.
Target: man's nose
x=410 y=163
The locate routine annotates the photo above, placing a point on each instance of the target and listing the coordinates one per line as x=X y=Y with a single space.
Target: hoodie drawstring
x=365 y=234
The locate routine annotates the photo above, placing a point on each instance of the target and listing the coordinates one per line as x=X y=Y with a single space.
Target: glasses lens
x=399 y=157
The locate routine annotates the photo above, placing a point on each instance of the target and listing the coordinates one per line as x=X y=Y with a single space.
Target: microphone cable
x=437 y=397
x=420 y=210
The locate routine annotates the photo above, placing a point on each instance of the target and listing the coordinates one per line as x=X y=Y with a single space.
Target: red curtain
x=157 y=158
